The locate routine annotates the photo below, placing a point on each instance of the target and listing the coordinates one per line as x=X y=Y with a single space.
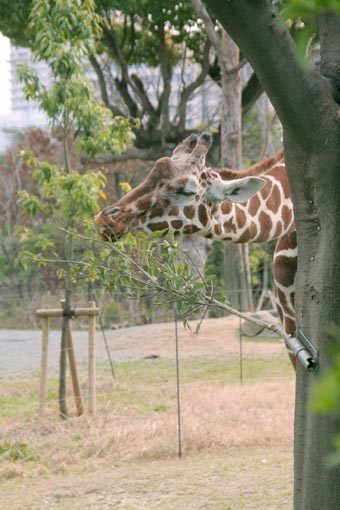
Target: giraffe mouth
x=109 y=229
x=108 y=235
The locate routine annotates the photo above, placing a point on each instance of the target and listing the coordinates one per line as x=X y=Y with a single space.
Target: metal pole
x=43 y=370
x=178 y=387
x=240 y=340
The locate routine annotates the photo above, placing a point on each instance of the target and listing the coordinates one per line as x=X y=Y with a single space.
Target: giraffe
x=181 y=194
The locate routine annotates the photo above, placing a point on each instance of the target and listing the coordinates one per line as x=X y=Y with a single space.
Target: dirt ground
x=247 y=479
x=253 y=471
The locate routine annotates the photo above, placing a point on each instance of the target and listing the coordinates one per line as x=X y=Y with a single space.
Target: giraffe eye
x=185 y=192
x=111 y=211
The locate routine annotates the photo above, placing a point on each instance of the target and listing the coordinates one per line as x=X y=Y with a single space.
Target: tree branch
x=251 y=92
x=189 y=89
x=166 y=72
x=140 y=91
x=126 y=96
x=150 y=154
x=271 y=53
x=102 y=85
x=214 y=38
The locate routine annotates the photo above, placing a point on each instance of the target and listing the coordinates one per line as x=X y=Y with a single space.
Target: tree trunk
x=317 y=487
x=308 y=107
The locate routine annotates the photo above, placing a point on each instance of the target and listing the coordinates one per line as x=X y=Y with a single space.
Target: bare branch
x=102 y=84
x=140 y=91
x=271 y=52
x=214 y=38
x=150 y=154
x=189 y=89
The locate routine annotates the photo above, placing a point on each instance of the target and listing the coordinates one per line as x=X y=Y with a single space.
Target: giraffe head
x=178 y=194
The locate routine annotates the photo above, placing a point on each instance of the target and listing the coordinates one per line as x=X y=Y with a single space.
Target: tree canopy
x=141 y=46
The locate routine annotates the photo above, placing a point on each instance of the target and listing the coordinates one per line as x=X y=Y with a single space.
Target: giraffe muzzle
x=109 y=227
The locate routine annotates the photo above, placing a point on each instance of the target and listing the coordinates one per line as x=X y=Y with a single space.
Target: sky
x=5 y=96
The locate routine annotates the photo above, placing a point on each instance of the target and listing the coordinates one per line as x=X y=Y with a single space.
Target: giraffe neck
x=267 y=215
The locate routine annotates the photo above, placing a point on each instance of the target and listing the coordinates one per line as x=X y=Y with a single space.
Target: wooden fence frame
x=45 y=315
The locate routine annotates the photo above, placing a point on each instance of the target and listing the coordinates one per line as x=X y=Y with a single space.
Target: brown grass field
x=236 y=437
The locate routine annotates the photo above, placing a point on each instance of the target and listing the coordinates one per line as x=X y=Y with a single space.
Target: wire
x=178 y=387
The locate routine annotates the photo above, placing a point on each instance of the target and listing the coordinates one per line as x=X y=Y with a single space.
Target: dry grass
x=213 y=418
x=136 y=429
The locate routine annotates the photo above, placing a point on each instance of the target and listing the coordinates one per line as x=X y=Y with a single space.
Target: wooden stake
x=92 y=360
x=74 y=373
x=43 y=370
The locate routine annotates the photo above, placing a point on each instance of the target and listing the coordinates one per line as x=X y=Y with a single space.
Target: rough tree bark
x=308 y=106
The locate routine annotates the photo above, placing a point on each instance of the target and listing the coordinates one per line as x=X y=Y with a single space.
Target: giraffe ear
x=237 y=191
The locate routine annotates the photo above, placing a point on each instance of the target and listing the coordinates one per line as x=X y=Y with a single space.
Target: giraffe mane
x=260 y=168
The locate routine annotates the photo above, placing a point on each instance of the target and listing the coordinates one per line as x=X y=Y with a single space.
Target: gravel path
x=20 y=351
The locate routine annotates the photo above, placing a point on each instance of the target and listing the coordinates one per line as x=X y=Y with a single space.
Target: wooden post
x=74 y=373
x=73 y=368
x=92 y=360
x=43 y=370
x=45 y=315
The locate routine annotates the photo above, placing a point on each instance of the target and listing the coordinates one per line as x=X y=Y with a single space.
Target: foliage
x=148 y=270
x=70 y=103
x=296 y=8
x=119 y=36
x=160 y=272
x=326 y=391
x=300 y=15
x=63 y=195
x=66 y=199
x=17 y=451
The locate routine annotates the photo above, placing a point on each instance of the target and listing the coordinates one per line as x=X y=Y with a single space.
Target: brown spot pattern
x=190 y=229
x=249 y=233
x=156 y=211
x=286 y=242
x=265 y=191
x=218 y=229
x=285 y=270
x=226 y=207
x=265 y=221
x=173 y=211
x=278 y=229
x=203 y=215
x=274 y=201
x=177 y=224
x=254 y=204
x=162 y=225
x=143 y=203
x=289 y=325
x=229 y=226
x=241 y=218
x=282 y=297
x=287 y=214
x=189 y=211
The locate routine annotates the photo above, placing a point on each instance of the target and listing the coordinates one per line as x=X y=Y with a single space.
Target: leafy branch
x=147 y=268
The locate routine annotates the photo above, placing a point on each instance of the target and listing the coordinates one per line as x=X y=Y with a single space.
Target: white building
x=26 y=113
x=203 y=108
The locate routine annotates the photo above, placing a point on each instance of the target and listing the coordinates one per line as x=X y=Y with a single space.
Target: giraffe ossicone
x=181 y=194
